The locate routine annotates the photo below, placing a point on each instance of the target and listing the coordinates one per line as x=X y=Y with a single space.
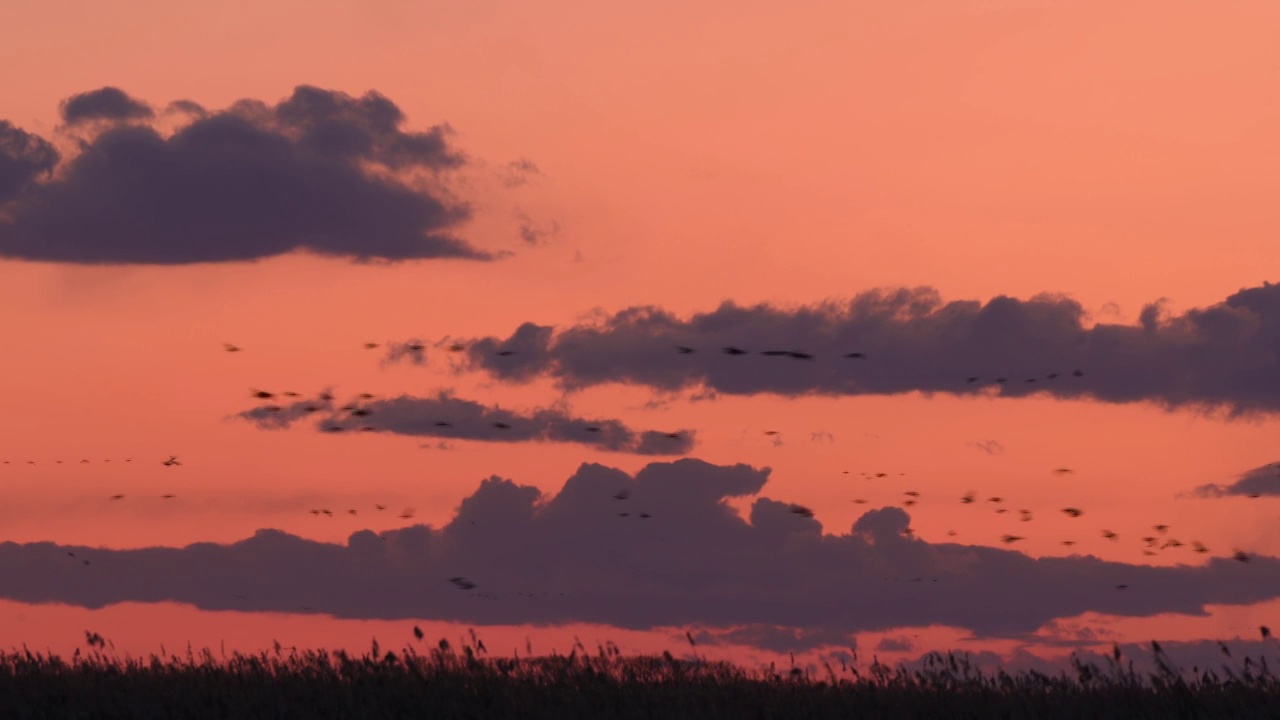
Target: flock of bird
x=1151 y=543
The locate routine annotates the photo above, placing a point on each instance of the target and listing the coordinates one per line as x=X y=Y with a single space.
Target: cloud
x=454 y=418
x=108 y=103
x=533 y=234
x=519 y=172
x=23 y=158
x=1220 y=357
x=693 y=561
x=320 y=171
x=1264 y=480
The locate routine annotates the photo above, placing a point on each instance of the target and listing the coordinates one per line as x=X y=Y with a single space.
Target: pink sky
x=688 y=156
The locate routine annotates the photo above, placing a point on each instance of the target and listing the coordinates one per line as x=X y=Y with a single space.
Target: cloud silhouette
x=445 y=416
x=1264 y=480
x=320 y=171
x=693 y=561
x=108 y=103
x=23 y=158
x=1224 y=356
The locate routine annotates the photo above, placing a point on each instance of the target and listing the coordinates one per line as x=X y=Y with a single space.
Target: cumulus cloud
x=445 y=416
x=109 y=103
x=1226 y=356
x=1259 y=481
x=23 y=158
x=320 y=171
x=585 y=555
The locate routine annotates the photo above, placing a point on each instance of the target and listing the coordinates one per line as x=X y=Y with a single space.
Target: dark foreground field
x=448 y=684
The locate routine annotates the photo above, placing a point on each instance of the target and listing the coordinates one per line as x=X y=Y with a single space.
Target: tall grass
x=465 y=683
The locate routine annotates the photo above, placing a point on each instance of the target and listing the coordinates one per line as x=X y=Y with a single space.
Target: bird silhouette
x=229 y=347
x=856 y=355
x=683 y=350
x=622 y=495
x=371 y=346
x=173 y=460
x=463 y=583
x=1009 y=539
x=801 y=510
x=734 y=351
x=501 y=425
x=1073 y=512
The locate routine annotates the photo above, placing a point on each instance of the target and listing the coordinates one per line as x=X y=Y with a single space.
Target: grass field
x=445 y=682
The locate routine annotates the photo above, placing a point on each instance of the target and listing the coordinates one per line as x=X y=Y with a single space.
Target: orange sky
x=690 y=155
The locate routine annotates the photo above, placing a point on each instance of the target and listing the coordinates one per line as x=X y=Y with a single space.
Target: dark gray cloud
x=1260 y=481
x=189 y=107
x=23 y=158
x=1226 y=356
x=692 y=562
x=108 y=103
x=469 y=420
x=320 y=171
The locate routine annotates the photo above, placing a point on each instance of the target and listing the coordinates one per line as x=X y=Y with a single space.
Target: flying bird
x=229 y=347
x=856 y=355
x=683 y=350
x=1009 y=539
x=1073 y=512
x=173 y=460
x=734 y=351
x=261 y=394
x=462 y=582
x=506 y=353
x=801 y=510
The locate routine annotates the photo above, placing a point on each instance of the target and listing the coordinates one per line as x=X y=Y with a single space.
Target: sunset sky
x=530 y=207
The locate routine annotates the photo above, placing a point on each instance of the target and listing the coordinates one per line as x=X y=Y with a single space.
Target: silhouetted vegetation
x=444 y=683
